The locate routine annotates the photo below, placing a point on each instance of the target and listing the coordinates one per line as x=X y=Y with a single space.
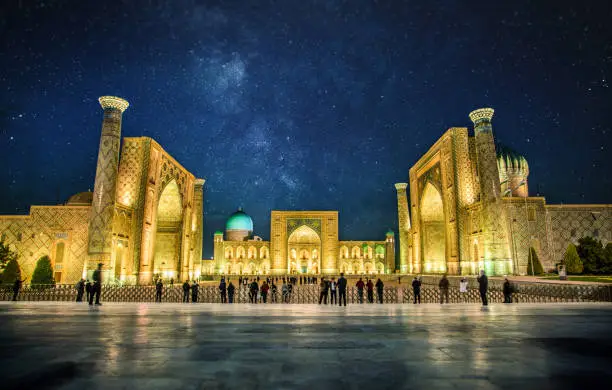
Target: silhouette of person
x=186 y=292
x=96 y=289
x=158 y=290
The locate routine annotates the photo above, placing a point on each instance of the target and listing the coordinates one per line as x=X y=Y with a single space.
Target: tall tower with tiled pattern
x=104 y=195
x=390 y=252
x=497 y=257
x=404 y=226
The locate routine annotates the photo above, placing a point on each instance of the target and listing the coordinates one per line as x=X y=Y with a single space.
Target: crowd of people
x=264 y=289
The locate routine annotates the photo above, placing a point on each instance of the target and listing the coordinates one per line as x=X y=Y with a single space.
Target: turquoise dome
x=239 y=221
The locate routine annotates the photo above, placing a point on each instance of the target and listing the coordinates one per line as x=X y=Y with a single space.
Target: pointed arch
x=433 y=228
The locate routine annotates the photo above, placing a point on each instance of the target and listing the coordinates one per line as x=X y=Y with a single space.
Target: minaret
x=404 y=226
x=390 y=252
x=496 y=247
x=103 y=205
x=219 y=253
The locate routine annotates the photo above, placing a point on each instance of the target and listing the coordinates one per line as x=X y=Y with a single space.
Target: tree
x=43 y=273
x=592 y=254
x=6 y=255
x=608 y=258
x=10 y=273
x=534 y=267
x=571 y=260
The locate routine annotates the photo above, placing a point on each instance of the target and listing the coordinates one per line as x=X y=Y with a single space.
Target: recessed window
x=573 y=232
x=596 y=233
x=531 y=214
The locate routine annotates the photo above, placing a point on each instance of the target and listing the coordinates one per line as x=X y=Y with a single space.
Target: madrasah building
x=469 y=209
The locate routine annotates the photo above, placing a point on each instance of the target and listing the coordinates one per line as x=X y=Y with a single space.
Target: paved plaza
x=47 y=345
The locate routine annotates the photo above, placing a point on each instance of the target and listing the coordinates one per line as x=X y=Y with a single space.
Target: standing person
x=463 y=289
x=332 y=289
x=194 y=292
x=483 y=286
x=186 y=292
x=342 y=289
x=507 y=291
x=223 y=290
x=264 y=291
x=254 y=290
x=17 y=287
x=274 y=291
x=96 y=289
x=80 y=287
x=289 y=292
x=416 y=289
x=88 y=289
x=230 y=292
x=322 y=291
x=171 y=282
x=239 y=281
x=370 y=287
x=285 y=292
x=158 y=290
x=380 y=290
x=444 y=285
x=360 y=285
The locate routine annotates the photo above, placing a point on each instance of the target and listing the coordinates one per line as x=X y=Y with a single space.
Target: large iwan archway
x=433 y=230
x=304 y=248
x=168 y=233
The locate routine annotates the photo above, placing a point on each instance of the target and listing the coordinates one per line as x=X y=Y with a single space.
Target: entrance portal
x=306 y=244
x=434 y=232
x=168 y=234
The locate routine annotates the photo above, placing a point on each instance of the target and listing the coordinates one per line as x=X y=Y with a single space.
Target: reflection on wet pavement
x=207 y=346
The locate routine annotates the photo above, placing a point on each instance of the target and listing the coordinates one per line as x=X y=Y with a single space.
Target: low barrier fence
x=309 y=294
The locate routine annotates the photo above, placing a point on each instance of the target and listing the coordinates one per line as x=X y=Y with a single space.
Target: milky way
x=303 y=105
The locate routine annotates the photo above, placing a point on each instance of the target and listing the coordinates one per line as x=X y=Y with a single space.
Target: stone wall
x=39 y=233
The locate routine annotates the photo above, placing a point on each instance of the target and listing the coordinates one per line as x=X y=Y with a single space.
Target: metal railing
x=526 y=292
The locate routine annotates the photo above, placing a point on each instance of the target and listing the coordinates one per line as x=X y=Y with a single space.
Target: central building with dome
x=301 y=242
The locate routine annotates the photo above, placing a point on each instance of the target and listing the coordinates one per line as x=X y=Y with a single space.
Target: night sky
x=303 y=104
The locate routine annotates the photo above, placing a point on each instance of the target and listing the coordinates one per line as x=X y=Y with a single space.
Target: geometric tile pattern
x=484 y=228
x=37 y=234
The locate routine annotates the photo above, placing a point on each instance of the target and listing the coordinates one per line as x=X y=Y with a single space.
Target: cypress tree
x=10 y=273
x=43 y=273
x=572 y=261
x=534 y=267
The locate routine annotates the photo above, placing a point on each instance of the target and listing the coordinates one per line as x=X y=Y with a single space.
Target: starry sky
x=296 y=104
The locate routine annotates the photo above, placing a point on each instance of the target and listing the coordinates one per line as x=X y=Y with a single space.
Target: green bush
x=6 y=255
x=43 y=273
x=571 y=260
x=595 y=258
x=534 y=267
x=11 y=273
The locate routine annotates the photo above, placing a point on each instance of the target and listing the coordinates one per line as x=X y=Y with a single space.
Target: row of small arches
x=251 y=253
x=367 y=252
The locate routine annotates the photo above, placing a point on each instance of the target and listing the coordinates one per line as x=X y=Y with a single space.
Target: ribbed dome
x=239 y=221
x=81 y=199
x=510 y=160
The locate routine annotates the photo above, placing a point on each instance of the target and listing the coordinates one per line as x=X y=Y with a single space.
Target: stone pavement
x=46 y=345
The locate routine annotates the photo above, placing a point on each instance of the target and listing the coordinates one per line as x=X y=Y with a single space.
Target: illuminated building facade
x=144 y=217
x=301 y=242
x=470 y=209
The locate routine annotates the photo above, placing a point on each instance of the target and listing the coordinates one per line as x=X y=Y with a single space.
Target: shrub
x=593 y=256
x=6 y=255
x=10 y=273
x=534 y=267
x=43 y=273
x=571 y=260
